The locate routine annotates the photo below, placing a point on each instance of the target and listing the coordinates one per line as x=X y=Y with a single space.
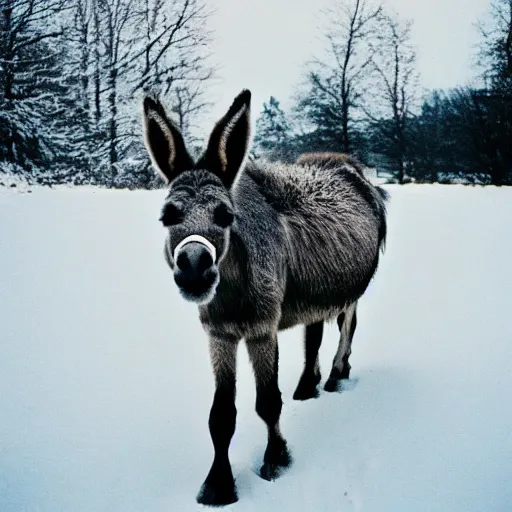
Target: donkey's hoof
x=217 y=495
x=277 y=459
x=332 y=385
x=307 y=387
x=305 y=393
x=345 y=373
x=271 y=472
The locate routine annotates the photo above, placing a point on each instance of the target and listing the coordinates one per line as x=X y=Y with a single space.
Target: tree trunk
x=401 y=171
x=97 y=66
x=7 y=52
x=84 y=68
x=345 y=134
x=113 y=115
x=8 y=76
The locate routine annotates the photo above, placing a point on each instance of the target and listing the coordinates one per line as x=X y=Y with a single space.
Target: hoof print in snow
x=217 y=496
x=338 y=385
x=350 y=384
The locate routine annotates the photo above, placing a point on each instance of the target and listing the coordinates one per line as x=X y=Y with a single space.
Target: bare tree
x=117 y=40
x=495 y=101
x=81 y=32
x=149 y=44
x=495 y=55
x=340 y=76
x=175 y=43
x=395 y=89
x=186 y=101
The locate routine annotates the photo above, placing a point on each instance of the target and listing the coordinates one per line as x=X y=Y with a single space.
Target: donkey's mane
x=330 y=160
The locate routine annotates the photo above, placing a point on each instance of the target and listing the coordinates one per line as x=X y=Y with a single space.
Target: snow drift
x=106 y=383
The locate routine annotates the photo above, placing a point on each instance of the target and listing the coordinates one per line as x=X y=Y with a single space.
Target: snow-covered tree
x=273 y=132
x=72 y=73
x=30 y=83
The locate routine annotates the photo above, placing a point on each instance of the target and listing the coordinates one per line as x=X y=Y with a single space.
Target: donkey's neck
x=234 y=267
x=252 y=272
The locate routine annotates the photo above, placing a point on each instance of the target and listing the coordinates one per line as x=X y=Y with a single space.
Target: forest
x=72 y=73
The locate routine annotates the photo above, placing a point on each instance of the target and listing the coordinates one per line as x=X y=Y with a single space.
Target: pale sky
x=263 y=44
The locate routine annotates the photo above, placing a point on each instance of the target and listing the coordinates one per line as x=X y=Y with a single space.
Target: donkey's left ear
x=229 y=140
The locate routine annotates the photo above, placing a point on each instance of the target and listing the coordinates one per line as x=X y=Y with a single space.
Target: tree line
x=71 y=73
x=363 y=97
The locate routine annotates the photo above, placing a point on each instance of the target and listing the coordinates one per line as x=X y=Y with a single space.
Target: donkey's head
x=198 y=211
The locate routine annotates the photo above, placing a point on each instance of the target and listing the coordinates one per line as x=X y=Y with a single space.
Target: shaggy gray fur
x=305 y=244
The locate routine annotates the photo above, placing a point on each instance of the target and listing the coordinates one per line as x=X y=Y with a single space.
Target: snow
x=106 y=383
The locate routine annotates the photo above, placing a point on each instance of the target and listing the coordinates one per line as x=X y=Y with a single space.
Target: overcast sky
x=263 y=44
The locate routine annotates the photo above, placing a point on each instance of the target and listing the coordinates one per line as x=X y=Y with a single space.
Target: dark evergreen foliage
x=71 y=76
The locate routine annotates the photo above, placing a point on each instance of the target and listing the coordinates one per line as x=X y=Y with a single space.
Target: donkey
x=261 y=248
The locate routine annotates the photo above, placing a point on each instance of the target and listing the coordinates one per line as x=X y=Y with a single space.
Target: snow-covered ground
x=106 y=385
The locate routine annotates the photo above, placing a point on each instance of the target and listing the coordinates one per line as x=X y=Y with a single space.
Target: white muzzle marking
x=196 y=238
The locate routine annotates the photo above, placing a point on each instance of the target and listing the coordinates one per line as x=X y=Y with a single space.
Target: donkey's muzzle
x=195 y=272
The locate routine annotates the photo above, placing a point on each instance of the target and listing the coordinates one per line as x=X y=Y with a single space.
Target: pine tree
x=273 y=132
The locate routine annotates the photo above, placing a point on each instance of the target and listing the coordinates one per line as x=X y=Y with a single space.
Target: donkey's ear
x=164 y=141
x=229 y=140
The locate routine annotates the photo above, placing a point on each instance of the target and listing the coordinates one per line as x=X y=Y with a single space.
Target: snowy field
x=106 y=384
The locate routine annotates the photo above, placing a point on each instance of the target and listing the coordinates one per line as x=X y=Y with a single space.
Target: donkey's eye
x=223 y=216
x=171 y=215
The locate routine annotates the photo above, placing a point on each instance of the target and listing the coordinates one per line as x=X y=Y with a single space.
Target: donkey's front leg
x=219 y=486
x=264 y=356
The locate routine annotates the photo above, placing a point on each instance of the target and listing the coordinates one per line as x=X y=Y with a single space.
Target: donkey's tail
x=383 y=228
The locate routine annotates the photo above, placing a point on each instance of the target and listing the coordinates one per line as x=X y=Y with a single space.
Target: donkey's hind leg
x=347 y=322
x=311 y=375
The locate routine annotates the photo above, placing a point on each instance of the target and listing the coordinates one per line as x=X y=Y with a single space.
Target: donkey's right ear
x=164 y=141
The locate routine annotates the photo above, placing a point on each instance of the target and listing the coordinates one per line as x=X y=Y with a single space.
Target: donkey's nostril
x=182 y=261
x=204 y=262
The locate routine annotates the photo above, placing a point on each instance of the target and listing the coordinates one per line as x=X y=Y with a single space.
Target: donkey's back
x=334 y=224
x=332 y=160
